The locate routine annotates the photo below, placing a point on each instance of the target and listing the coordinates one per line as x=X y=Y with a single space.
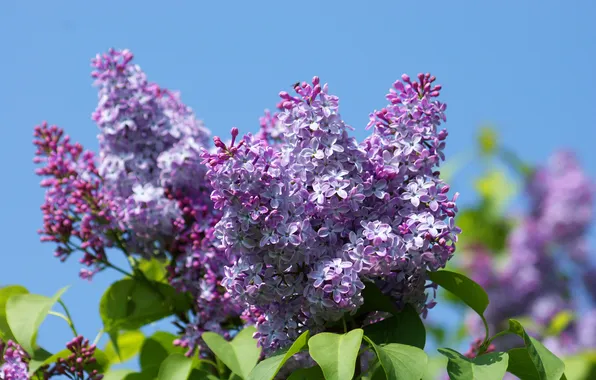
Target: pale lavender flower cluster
x=150 y=153
x=149 y=141
x=13 y=362
x=544 y=244
x=145 y=194
x=312 y=215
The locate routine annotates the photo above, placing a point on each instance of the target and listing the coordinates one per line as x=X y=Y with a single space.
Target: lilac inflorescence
x=13 y=362
x=77 y=215
x=544 y=244
x=313 y=215
x=149 y=141
x=150 y=151
x=77 y=364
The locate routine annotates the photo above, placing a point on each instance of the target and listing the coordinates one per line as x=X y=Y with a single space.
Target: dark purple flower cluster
x=77 y=215
x=13 y=362
x=544 y=245
x=75 y=366
x=312 y=215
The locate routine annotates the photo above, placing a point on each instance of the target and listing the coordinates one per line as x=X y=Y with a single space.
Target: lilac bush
x=316 y=215
x=546 y=243
x=265 y=248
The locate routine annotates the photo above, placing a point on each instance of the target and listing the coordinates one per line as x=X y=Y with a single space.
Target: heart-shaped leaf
x=547 y=364
x=130 y=304
x=268 y=368
x=312 y=373
x=375 y=300
x=465 y=289
x=240 y=355
x=335 y=353
x=175 y=367
x=521 y=365
x=117 y=374
x=25 y=313
x=399 y=361
x=129 y=344
x=5 y=293
x=491 y=366
x=405 y=327
x=155 y=350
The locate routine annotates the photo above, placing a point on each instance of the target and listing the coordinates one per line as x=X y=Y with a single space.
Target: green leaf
x=5 y=293
x=335 y=353
x=140 y=376
x=268 y=368
x=496 y=189
x=436 y=366
x=130 y=304
x=155 y=350
x=129 y=344
x=548 y=365
x=25 y=313
x=375 y=300
x=117 y=374
x=175 y=367
x=312 y=373
x=521 y=365
x=559 y=323
x=581 y=366
x=198 y=374
x=154 y=269
x=491 y=366
x=483 y=225
x=399 y=361
x=487 y=141
x=42 y=357
x=465 y=289
x=240 y=355
x=405 y=328
x=101 y=362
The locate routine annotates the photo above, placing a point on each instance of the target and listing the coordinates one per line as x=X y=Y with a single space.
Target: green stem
x=110 y=265
x=70 y=322
x=98 y=337
x=59 y=315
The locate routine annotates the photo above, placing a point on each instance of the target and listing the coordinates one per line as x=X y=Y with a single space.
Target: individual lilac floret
x=77 y=215
x=149 y=141
x=13 y=362
x=312 y=215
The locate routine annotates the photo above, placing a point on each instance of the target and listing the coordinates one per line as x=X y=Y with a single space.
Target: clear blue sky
x=526 y=66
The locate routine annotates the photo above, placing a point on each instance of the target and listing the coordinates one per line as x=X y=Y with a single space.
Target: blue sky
x=525 y=66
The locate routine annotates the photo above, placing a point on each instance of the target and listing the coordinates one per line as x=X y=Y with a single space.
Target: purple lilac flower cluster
x=312 y=215
x=533 y=280
x=145 y=193
x=13 y=362
x=150 y=154
x=75 y=365
x=149 y=141
x=77 y=215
